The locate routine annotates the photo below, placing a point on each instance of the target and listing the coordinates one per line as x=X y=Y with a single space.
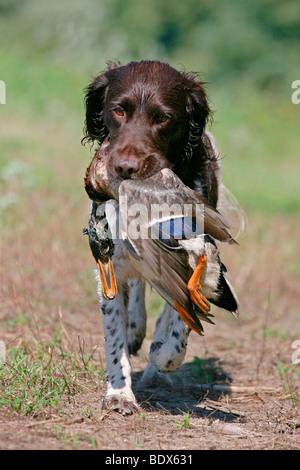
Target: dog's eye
x=162 y=119
x=119 y=112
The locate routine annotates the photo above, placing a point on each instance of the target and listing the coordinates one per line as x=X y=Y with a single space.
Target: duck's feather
x=164 y=198
x=167 y=272
x=157 y=214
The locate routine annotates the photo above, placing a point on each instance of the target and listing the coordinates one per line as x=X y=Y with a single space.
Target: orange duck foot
x=194 y=286
x=187 y=319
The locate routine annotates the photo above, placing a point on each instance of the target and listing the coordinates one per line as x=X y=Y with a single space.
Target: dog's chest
x=123 y=267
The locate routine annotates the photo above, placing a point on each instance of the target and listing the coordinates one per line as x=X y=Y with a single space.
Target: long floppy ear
x=95 y=129
x=198 y=112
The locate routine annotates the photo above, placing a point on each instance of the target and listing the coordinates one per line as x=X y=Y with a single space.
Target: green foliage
x=205 y=370
x=29 y=384
x=185 y=422
x=38 y=377
x=290 y=376
x=259 y=40
x=247 y=51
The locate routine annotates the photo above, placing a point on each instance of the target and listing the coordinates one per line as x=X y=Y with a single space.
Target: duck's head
x=102 y=248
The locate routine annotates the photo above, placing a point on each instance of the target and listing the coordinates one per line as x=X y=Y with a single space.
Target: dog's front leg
x=119 y=395
x=137 y=315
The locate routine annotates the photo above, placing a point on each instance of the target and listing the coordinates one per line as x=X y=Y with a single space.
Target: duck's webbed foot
x=195 y=288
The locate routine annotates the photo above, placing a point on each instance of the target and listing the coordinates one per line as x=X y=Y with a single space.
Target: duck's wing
x=153 y=244
x=167 y=270
x=163 y=197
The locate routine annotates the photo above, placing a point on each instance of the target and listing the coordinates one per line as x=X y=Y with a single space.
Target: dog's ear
x=95 y=129
x=198 y=112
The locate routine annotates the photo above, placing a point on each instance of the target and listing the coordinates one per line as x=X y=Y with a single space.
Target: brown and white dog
x=153 y=117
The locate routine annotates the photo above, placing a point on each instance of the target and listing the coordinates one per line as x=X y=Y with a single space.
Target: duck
x=102 y=248
x=176 y=251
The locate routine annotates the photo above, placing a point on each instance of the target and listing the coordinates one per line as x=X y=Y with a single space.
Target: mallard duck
x=171 y=259
x=173 y=251
x=102 y=248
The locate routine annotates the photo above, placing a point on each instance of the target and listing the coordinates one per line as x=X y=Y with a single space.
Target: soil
x=257 y=405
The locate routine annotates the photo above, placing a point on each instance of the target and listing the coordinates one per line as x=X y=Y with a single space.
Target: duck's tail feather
x=227 y=204
x=227 y=298
x=231 y=209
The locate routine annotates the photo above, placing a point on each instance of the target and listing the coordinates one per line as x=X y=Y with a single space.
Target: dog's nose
x=127 y=167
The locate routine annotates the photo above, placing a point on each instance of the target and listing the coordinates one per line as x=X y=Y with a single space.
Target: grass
x=258 y=140
x=38 y=377
x=184 y=423
x=205 y=371
x=73 y=440
x=44 y=257
x=30 y=383
x=290 y=376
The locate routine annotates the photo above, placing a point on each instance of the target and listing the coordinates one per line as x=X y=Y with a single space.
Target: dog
x=153 y=117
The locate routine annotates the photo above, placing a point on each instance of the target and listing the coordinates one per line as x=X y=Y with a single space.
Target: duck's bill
x=108 y=280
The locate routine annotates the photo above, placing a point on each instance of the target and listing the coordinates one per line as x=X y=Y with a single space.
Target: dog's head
x=153 y=114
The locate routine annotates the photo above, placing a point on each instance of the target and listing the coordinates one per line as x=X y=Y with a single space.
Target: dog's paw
x=153 y=378
x=120 y=404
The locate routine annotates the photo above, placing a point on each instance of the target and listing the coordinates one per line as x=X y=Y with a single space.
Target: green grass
x=30 y=384
x=257 y=133
x=204 y=370
x=290 y=376
x=42 y=165
x=39 y=377
x=41 y=90
x=184 y=423
x=73 y=440
x=258 y=138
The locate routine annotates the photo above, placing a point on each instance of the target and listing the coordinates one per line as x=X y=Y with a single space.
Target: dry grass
x=48 y=292
x=49 y=315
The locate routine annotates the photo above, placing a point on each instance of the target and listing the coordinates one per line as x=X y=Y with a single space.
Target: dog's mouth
x=102 y=181
x=152 y=165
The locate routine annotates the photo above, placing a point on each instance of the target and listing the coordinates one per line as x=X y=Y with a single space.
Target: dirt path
x=252 y=355
x=258 y=414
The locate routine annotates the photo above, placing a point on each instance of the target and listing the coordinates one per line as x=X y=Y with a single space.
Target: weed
x=29 y=385
x=38 y=378
x=290 y=377
x=205 y=370
x=69 y=439
x=93 y=441
x=185 y=422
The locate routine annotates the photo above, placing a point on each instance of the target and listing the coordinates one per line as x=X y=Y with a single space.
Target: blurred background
x=248 y=53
